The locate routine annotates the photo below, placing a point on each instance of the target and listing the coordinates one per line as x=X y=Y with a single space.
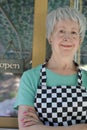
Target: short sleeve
x=84 y=78
x=27 y=88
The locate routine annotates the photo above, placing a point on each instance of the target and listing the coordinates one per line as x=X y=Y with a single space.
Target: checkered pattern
x=79 y=77
x=61 y=105
x=43 y=75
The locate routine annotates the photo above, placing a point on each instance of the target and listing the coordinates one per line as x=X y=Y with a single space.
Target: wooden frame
x=40 y=10
x=8 y=122
x=39 y=39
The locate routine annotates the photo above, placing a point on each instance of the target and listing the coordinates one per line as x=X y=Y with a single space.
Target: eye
x=61 y=31
x=74 y=33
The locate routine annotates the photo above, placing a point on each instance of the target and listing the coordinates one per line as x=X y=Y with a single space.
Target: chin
x=67 y=54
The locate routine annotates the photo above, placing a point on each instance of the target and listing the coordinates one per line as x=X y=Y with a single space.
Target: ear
x=50 y=39
x=80 y=41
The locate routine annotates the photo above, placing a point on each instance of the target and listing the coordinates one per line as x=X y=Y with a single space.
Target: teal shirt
x=30 y=81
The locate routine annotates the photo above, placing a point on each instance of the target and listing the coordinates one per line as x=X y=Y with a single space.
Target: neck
x=63 y=66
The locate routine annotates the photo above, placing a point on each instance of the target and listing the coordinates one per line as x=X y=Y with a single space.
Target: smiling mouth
x=66 y=46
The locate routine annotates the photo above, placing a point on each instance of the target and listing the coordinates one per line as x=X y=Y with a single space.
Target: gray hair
x=65 y=13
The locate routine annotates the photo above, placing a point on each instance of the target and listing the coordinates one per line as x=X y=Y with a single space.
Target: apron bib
x=61 y=105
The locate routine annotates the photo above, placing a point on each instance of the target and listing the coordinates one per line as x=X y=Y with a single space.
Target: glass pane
x=16 y=34
x=53 y=4
x=83 y=55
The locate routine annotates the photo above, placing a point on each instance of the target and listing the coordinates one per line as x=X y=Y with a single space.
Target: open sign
x=11 y=65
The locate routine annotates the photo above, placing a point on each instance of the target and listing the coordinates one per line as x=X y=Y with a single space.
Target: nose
x=67 y=36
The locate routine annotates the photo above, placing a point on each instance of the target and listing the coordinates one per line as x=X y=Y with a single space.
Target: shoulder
x=29 y=81
x=28 y=86
x=31 y=73
x=84 y=77
x=84 y=72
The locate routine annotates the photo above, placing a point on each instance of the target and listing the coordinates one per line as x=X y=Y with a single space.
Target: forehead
x=67 y=23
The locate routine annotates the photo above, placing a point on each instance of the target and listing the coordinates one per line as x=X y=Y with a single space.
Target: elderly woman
x=55 y=93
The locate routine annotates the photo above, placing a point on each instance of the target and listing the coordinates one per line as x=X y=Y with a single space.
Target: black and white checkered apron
x=61 y=105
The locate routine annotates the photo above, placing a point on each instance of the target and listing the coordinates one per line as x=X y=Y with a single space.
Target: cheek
x=56 y=40
x=76 y=45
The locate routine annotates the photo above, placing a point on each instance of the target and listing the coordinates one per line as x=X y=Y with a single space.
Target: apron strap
x=79 y=73
x=79 y=77
x=43 y=75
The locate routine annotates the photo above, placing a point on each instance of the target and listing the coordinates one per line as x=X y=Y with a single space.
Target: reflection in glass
x=16 y=34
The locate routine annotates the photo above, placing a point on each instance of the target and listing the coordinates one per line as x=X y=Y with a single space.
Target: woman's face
x=65 y=39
